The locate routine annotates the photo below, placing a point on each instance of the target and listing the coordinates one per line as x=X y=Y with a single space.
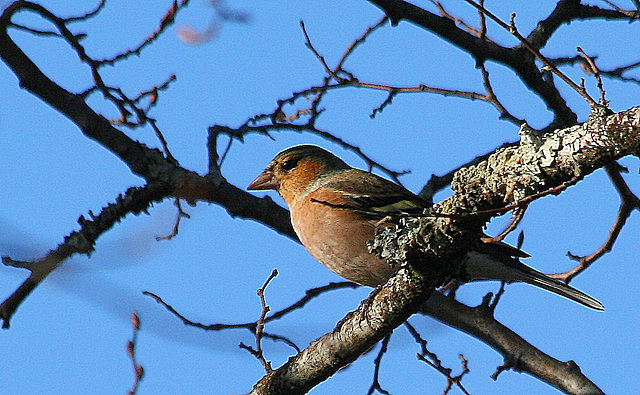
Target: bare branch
x=259 y=325
x=491 y=97
x=375 y=386
x=163 y=141
x=618 y=71
x=432 y=360
x=511 y=28
x=359 y=41
x=135 y=200
x=596 y=72
x=309 y=295
x=317 y=55
x=351 y=81
x=480 y=33
x=385 y=309
x=522 y=62
x=517 y=352
x=631 y=15
x=181 y=214
x=518 y=214
x=628 y=202
x=165 y=178
x=483 y=23
x=37 y=32
x=142 y=160
x=566 y=11
x=138 y=370
x=89 y=14
x=245 y=129
x=167 y=20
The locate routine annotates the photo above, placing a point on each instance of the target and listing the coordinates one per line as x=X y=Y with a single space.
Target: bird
x=336 y=208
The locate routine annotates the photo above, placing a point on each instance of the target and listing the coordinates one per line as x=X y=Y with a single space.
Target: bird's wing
x=374 y=196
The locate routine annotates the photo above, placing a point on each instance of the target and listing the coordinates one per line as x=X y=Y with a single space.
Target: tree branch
x=565 y=12
x=165 y=178
x=429 y=249
x=378 y=317
x=135 y=200
x=386 y=308
x=628 y=202
x=518 y=59
x=518 y=354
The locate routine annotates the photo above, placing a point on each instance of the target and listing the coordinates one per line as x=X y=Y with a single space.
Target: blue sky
x=69 y=336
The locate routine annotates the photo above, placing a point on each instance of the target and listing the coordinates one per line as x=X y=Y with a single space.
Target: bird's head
x=297 y=170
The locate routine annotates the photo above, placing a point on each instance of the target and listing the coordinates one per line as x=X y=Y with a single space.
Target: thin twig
x=596 y=73
x=618 y=71
x=522 y=202
x=153 y=92
x=496 y=299
x=138 y=370
x=375 y=386
x=317 y=54
x=630 y=14
x=359 y=41
x=167 y=20
x=518 y=214
x=34 y=31
x=483 y=23
x=163 y=141
x=511 y=28
x=309 y=295
x=491 y=97
x=432 y=360
x=628 y=202
x=252 y=326
x=247 y=128
x=261 y=321
x=89 y=14
x=350 y=80
x=458 y=21
x=176 y=226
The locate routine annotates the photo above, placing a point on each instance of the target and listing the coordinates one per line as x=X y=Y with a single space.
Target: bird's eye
x=289 y=164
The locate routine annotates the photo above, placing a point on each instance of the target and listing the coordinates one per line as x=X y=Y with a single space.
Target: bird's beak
x=266 y=180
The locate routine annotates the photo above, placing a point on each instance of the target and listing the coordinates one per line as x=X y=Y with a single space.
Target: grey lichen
x=536 y=166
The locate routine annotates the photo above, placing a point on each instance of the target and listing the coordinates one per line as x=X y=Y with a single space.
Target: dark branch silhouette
x=487 y=186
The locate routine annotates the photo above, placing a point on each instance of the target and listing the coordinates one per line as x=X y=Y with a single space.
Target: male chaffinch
x=336 y=208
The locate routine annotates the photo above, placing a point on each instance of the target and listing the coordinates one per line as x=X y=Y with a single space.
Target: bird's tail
x=481 y=266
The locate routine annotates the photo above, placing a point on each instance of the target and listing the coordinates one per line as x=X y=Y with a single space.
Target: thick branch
x=537 y=165
x=162 y=174
x=508 y=175
x=381 y=313
x=565 y=12
x=135 y=200
x=511 y=177
x=516 y=58
x=142 y=160
x=374 y=319
x=517 y=352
